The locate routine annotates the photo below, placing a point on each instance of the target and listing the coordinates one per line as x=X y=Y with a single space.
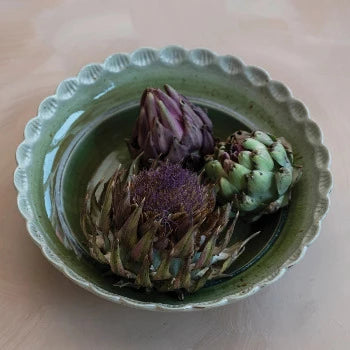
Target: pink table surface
x=305 y=44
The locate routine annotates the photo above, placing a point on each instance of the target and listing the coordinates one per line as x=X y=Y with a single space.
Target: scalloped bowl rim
x=172 y=55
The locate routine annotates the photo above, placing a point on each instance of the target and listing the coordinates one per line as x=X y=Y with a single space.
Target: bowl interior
x=94 y=152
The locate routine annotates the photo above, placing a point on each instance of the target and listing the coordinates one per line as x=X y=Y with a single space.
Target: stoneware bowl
x=78 y=135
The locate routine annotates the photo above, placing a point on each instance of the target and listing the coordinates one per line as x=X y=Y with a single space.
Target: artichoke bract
x=254 y=171
x=160 y=229
x=170 y=126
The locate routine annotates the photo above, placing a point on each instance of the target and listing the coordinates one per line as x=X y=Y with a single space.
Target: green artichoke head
x=160 y=229
x=254 y=172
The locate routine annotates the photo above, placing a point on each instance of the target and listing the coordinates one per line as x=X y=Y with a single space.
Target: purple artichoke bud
x=171 y=127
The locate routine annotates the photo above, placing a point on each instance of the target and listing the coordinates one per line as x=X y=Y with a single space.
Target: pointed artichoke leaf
x=208 y=141
x=198 y=284
x=172 y=93
x=203 y=115
x=96 y=253
x=148 y=225
x=150 y=148
x=227 y=189
x=237 y=176
x=210 y=223
x=245 y=159
x=224 y=215
x=163 y=272
x=279 y=154
x=261 y=185
x=190 y=116
x=183 y=278
x=169 y=120
x=252 y=144
x=234 y=251
x=144 y=246
x=91 y=230
x=262 y=160
x=163 y=135
x=143 y=278
x=287 y=146
x=229 y=261
x=142 y=124
x=128 y=232
x=171 y=103
x=207 y=252
x=215 y=170
x=284 y=179
x=104 y=221
x=192 y=136
x=83 y=217
x=116 y=261
x=177 y=151
x=94 y=204
x=121 y=204
x=134 y=167
x=102 y=198
x=246 y=203
x=185 y=247
x=227 y=236
x=276 y=205
x=263 y=138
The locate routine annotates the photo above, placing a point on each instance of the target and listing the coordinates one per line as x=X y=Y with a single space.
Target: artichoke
x=170 y=126
x=160 y=229
x=254 y=172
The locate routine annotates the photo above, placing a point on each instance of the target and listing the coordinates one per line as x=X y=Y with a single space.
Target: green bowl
x=78 y=136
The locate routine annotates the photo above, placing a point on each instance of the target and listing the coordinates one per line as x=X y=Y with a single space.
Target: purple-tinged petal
x=208 y=141
x=163 y=137
x=189 y=113
x=172 y=105
x=204 y=116
x=192 y=136
x=169 y=121
x=172 y=93
x=141 y=129
x=177 y=152
x=151 y=108
x=150 y=149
